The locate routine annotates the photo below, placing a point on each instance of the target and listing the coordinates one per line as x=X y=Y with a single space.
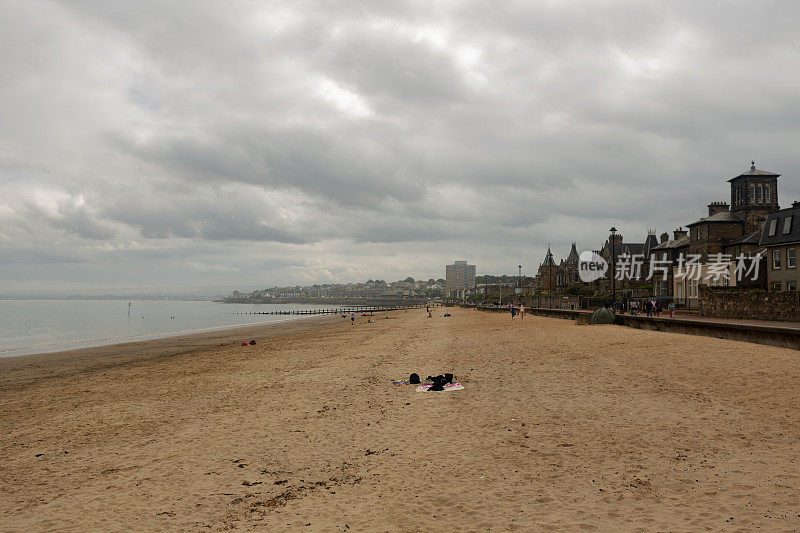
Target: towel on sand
x=448 y=387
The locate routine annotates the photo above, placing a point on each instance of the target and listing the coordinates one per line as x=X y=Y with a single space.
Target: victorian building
x=728 y=232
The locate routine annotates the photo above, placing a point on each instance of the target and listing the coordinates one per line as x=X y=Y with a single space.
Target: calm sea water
x=35 y=326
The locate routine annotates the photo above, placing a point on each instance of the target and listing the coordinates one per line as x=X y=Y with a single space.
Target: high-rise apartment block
x=459 y=277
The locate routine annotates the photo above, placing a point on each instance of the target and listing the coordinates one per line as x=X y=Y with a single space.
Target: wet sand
x=560 y=427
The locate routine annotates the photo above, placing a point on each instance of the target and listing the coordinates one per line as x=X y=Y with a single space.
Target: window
x=790 y=257
x=752 y=194
x=759 y=193
x=773 y=227
x=776 y=259
x=766 y=194
x=791 y=285
x=787 y=224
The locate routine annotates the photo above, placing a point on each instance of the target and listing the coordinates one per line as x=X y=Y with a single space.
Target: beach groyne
x=340 y=310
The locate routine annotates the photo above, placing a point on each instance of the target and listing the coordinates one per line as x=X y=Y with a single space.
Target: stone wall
x=724 y=302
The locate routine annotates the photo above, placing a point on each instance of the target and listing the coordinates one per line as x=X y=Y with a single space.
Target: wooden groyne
x=340 y=310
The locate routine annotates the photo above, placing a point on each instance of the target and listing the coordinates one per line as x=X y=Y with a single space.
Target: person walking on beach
x=513 y=312
x=672 y=309
x=353 y=319
x=521 y=311
x=659 y=308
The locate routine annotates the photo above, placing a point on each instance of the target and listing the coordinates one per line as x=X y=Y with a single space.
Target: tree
x=409 y=279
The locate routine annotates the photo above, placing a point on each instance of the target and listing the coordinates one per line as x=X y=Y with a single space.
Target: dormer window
x=787 y=224
x=773 y=227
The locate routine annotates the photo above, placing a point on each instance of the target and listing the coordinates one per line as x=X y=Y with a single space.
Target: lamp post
x=613 y=231
x=549 y=279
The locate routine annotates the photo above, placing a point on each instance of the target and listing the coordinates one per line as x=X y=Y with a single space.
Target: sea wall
x=724 y=302
x=785 y=337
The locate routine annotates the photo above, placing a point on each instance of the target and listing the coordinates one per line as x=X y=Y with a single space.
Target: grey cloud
x=329 y=133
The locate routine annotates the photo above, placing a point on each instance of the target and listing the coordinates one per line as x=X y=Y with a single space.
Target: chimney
x=680 y=232
x=717 y=207
x=664 y=238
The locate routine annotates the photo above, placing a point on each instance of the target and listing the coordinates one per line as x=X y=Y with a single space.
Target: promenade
x=772 y=333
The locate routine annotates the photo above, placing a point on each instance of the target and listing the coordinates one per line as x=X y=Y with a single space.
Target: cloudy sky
x=251 y=143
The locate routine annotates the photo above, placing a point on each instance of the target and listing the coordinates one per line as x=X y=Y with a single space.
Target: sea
x=39 y=326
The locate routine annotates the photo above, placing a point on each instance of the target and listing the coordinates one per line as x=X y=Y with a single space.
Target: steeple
x=548 y=258
x=573 y=257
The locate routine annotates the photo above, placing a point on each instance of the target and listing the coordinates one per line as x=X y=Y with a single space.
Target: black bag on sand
x=448 y=378
x=438 y=383
x=414 y=379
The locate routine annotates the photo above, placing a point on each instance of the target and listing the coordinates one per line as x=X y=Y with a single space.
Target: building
x=710 y=235
x=736 y=229
x=628 y=257
x=568 y=269
x=668 y=252
x=781 y=239
x=547 y=275
x=754 y=195
x=687 y=281
x=730 y=231
x=459 y=278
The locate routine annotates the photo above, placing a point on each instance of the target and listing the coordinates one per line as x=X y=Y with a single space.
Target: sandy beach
x=560 y=426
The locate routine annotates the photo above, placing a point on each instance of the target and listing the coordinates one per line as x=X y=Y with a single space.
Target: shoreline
x=12 y=367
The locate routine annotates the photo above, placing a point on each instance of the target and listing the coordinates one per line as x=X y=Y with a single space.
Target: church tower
x=754 y=195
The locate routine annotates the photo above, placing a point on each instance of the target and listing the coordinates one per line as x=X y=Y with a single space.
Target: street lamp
x=613 y=231
x=550 y=262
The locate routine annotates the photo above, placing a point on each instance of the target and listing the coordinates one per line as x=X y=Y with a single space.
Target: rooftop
x=723 y=216
x=786 y=228
x=675 y=243
x=754 y=172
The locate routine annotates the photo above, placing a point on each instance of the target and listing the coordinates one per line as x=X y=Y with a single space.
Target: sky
x=251 y=144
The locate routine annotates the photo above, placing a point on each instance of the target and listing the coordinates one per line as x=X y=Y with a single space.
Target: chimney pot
x=717 y=207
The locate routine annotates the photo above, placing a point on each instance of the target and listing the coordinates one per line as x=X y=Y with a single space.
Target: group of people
x=517 y=311
x=652 y=307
